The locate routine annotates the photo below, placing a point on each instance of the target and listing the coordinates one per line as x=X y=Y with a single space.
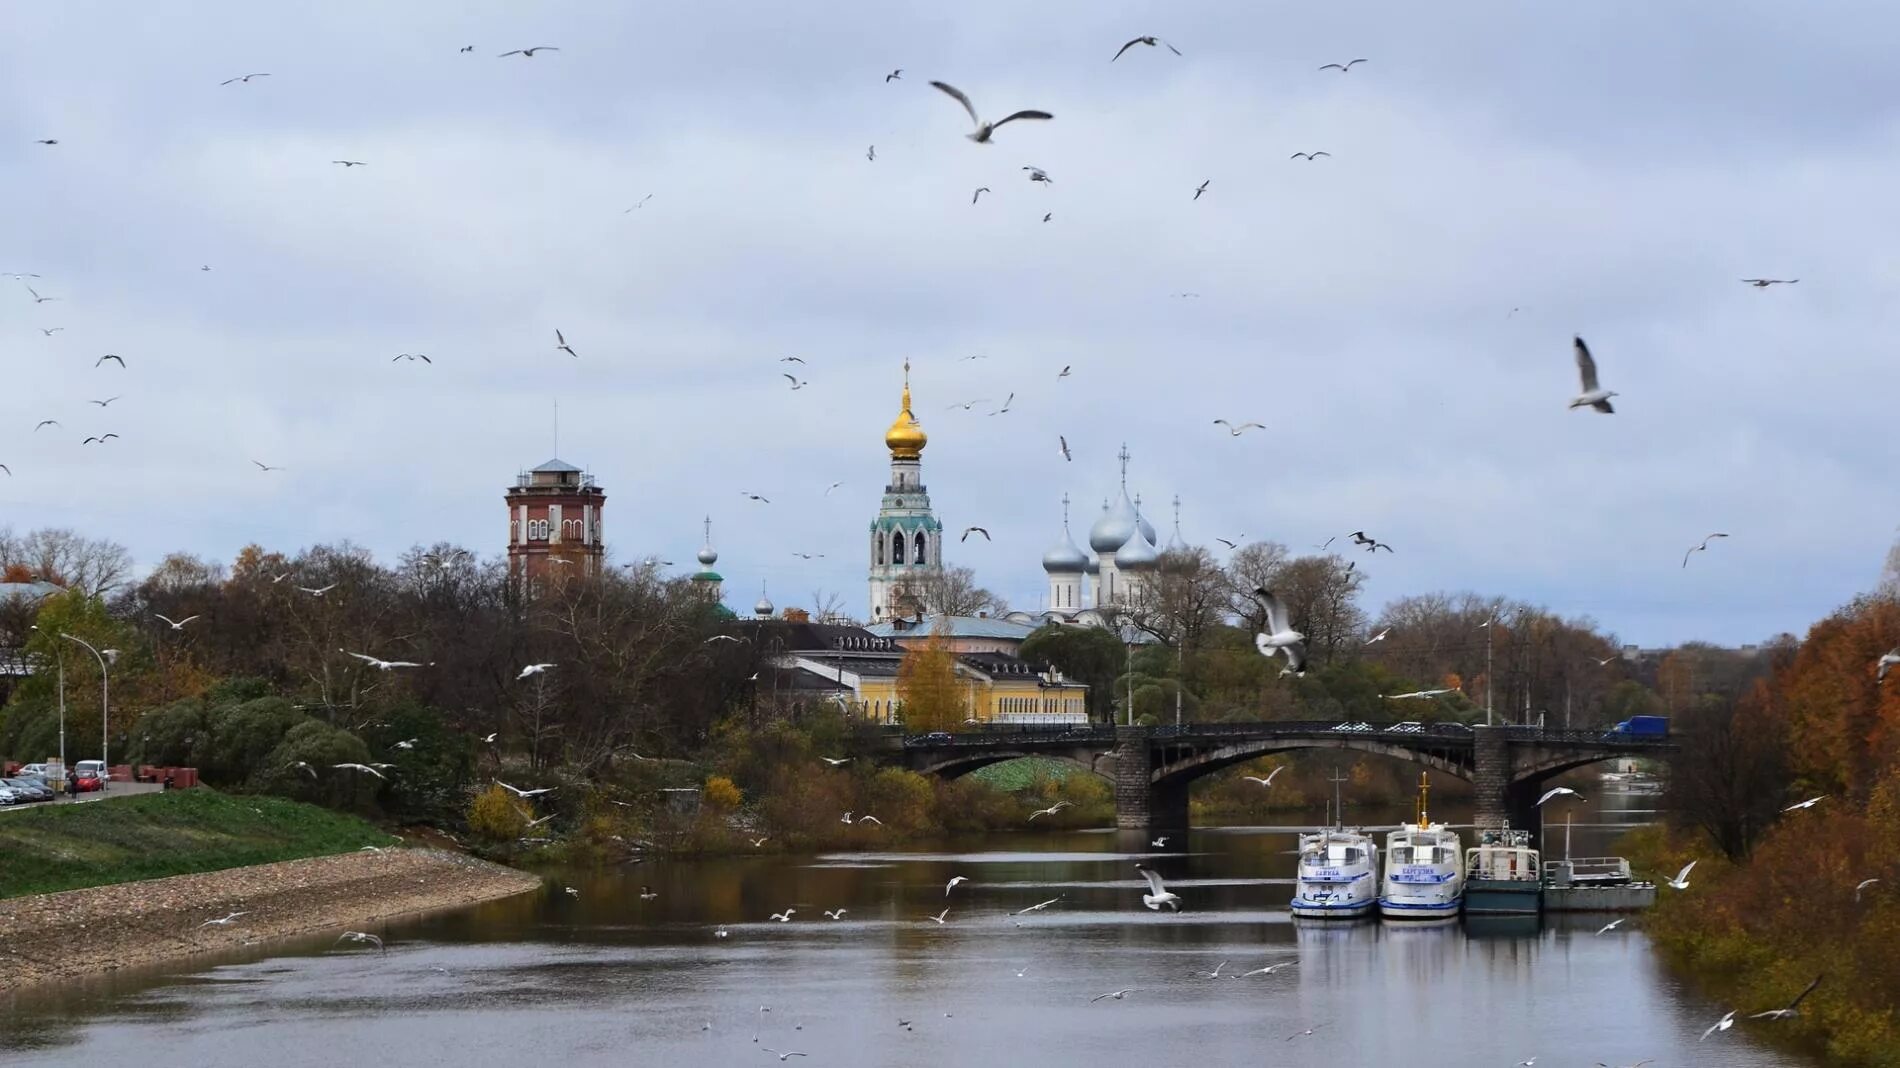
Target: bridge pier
x=1139 y=804
x=1491 y=768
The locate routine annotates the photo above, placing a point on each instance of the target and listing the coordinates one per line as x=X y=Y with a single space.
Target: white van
x=90 y=768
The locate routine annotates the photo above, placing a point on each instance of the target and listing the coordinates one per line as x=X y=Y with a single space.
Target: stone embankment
x=80 y=933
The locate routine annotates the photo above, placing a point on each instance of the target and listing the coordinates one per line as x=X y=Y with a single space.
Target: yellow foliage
x=495 y=815
x=721 y=794
x=931 y=698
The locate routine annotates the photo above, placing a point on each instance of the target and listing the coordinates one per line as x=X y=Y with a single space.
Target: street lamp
x=105 y=703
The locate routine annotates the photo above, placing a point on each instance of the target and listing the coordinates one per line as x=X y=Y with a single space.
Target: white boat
x=1503 y=875
x=1338 y=875
x=1424 y=868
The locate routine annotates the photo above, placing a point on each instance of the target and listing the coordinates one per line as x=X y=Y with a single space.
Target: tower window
x=878 y=547
x=922 y=558
x=897 y=548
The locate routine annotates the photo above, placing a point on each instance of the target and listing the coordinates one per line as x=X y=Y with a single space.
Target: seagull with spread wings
x=967 y=531
x=1202 y=188
x=1885 y=664
x=1268 y=781
x=1150 y=41
x=561 y=345
x=37 y=299
x=1693 y=549
x=1791 y=1008
x=1593 y=395
x=1280 y=636
x=984 y=130
x=244 y=78
x=796 y=384
x=110 y=356
x=176 y=624
x=980 y=190
x=380 y=665
x=348 y=163
x=894 y=76
x=1764 y=283
x=528 y=52
x=1309 y=156
x=1236 y=431
x=1342 y=67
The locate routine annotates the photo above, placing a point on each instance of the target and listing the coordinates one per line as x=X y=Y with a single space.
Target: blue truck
x=1644 y=726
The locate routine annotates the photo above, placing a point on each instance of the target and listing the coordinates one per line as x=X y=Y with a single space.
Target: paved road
x=119 y=789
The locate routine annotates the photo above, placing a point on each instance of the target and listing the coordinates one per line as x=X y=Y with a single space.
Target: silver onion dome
x=1117 y=525
x=1139 y=554
x=708 y=556
x=1064 y=558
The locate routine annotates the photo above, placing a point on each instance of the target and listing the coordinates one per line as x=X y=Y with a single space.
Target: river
x=603 y=977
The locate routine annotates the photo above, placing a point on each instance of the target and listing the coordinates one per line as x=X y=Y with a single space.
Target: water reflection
x=606 y=978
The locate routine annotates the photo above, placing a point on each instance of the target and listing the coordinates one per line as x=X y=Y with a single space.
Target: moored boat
x=1502 y=875
x=1338 y=875
x=1424 y=871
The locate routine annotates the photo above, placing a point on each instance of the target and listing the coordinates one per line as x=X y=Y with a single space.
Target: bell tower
x=906 y=537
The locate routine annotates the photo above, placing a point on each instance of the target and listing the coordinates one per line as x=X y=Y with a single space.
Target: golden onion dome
x=905 y=438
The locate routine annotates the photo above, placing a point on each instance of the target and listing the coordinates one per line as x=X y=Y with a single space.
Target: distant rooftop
x=27 y=591
x=558 y=465
x=955 y=627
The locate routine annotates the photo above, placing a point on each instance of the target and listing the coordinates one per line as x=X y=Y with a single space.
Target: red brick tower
x=554 y=526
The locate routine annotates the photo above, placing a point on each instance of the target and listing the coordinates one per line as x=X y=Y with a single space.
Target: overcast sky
x=1610 y=169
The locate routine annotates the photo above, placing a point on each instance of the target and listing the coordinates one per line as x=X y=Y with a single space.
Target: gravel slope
x=77 y=933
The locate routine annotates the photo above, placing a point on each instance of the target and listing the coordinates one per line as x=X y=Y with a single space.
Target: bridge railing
x=998 y=734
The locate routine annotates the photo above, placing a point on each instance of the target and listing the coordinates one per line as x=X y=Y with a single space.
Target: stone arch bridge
x=1152 y=767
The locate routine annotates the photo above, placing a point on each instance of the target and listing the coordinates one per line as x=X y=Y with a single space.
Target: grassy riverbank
x=64 y=847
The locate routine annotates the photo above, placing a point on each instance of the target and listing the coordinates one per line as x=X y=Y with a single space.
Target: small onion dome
x=1139 y=554
x=906 y=437
x=708 y=556
x=1117 y=525
x=764 y=608
x=1064 y=558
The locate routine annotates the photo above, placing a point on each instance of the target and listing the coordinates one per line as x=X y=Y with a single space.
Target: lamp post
x=105 y=703
x=62 y=712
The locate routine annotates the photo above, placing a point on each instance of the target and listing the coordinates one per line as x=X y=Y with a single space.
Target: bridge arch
x=957 y=765
x=1195 y=764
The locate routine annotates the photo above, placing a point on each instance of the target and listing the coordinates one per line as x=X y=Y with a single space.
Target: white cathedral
x=906 y=543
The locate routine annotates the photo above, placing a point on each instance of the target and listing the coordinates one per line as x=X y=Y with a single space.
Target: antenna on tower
x=1123 y=457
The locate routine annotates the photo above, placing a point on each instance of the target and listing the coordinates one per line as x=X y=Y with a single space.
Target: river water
x=602 y=977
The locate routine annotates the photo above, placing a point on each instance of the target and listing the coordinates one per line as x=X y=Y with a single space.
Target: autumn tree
x=1092 y=656
x=931 y=698
x=1730 y=774
x=66 y=558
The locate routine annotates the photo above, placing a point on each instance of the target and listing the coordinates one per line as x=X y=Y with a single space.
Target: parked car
x=1408 y=727
x=10 y=796
x=35 y=771
x=88 y=782
x=30 y=789
x=95 y=768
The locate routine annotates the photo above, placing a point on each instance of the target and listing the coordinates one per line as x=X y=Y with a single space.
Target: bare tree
x=1187 y=593
x=1253 y=566
x=827 y=606
x=950 y=591
x=63 y=557
x=1320 y=594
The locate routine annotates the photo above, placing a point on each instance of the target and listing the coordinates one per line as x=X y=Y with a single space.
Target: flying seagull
x=49 y=331
x=985 y=129
x=1862 y=885
x=754 y=497
x=1039 y=906
x=37 y=299
x=101 y=439
x=47 y=141
x=1885 y=664
x=360 y=767
x=1037 y=174
x=176 y=624
x=1269 y=969
x=1050 y=811
x=796 y=384
x=1007 y=401
x=1047 y=215
x=8 y=470
x=1149 y=41
x=561 y=345
x=519 y=792
x=1268 y=781
x=1280 y=635
x=894 y=76
x=1116 y=994
x=1229 y=544
x=1236 y=431
x=1157 y=895
x=1791 y=1008
x=1202 y=188
x=939 y=917
x=871 y=153
x=786 y=1054
x=1559 y=791
x=243 y=78
x=528 y=52
x=380 y=665
x=1416 y=693
x=1064 y=373
x=262 y=466
x=1699 y=548
x=1379 y=637
x=1160 y=843
x=836 y=761
x=1608 y=927
x=638 y=206
x=1764 y=283
x=967 y=531
x=103 y=403
x=318 y=592
x=1341 y=67
x=363 y=937
x=532 y=669
x=1722 y=1024
x=1681 y=881
x=791 y=359
x=980 y=190
x=1063 y=443
x=412 y=357
x=1593 y=395
x=347 y=163
x=109 y=356
x=1309 y=156
x=223 y=921
x=1809 y=803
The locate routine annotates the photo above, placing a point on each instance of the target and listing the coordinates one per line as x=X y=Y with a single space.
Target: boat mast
x=1339 y=808
x=1424 y=788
